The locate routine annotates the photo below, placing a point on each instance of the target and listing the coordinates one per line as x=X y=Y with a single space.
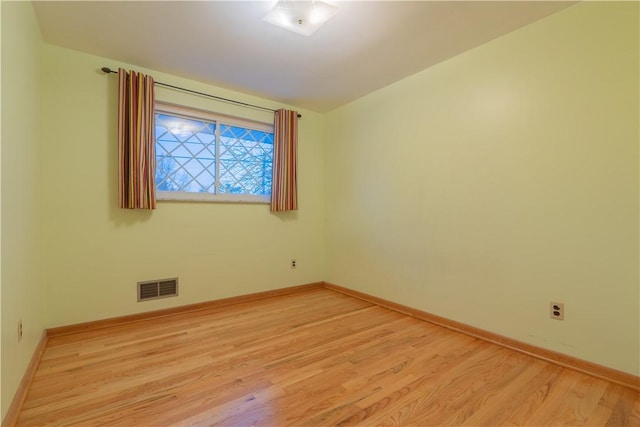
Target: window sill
x=171 y=196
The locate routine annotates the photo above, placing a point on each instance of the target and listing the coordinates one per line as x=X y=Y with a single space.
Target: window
x=202 y=156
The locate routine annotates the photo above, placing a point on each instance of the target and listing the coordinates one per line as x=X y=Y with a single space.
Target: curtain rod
x=108 y=70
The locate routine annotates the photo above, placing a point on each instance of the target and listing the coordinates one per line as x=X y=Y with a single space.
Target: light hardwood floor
x=313 y=358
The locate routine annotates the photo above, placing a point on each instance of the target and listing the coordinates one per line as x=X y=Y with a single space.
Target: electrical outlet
x=19 y=330
x=556 y=310
x=293 y=264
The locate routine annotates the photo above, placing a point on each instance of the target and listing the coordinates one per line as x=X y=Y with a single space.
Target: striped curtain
x=284 y=182
x=136 y=141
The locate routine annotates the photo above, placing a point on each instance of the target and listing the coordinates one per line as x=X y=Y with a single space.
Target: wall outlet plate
x=556 y=310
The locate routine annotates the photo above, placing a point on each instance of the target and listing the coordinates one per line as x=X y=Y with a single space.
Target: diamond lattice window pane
x=185 y=154
x=186 y=157
x=246 y=158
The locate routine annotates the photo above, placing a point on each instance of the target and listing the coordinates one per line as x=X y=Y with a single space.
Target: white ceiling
x=366 y=46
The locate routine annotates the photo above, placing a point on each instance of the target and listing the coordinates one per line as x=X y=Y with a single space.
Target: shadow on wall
x=120 y=217
x=288 y=216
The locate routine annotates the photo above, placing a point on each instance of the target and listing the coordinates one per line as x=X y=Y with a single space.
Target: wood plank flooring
x=315 y=358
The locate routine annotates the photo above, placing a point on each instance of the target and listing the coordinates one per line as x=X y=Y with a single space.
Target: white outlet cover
x=556 y=307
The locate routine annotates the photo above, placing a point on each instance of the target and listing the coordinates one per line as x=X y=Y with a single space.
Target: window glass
x=212 y=156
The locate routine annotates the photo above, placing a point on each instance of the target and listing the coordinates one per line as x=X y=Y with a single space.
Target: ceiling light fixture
x=299 y=16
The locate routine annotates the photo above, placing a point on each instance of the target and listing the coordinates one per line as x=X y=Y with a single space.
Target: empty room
x=315 y=213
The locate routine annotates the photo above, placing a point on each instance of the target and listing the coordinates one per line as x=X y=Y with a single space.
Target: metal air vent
x=155 y=289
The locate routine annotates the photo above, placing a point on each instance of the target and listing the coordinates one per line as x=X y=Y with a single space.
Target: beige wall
x=95 y=252
x=489 y=185
x=22 y=286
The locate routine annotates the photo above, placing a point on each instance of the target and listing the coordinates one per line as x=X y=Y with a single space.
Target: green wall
x=96 y=253
x=489 y=185
x=21 y=278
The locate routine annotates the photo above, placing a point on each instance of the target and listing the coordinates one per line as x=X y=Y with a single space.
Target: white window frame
x=197 y=114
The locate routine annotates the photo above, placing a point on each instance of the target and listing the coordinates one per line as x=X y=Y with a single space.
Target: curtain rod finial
x=106 y=70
